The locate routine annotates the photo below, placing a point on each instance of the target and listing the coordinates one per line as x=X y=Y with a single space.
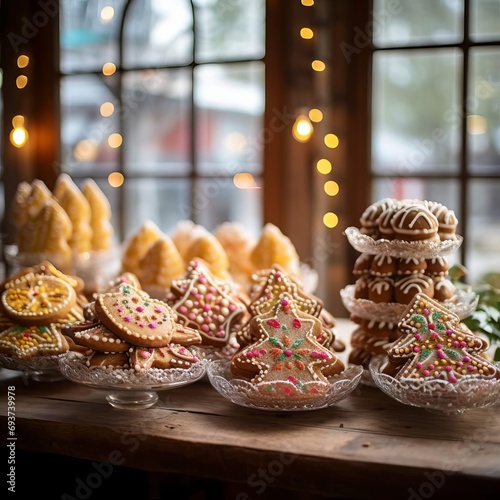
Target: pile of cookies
x=393 y=277
x=36 y=305
x=125 y=328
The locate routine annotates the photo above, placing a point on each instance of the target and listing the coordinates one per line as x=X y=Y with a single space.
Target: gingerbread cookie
x=95 y=336
x=29 y=341
x=171 y=356
x=35 y=299
x=287 y=349
x=108 y=360
x=135 y=317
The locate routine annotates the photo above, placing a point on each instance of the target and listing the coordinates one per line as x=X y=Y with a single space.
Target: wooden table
x=195 y=444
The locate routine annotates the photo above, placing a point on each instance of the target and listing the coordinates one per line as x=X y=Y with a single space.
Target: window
x=436 y=114
x=163 y=101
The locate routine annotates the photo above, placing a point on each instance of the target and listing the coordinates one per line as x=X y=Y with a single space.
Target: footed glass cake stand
x=127 y=388
x=39 y=368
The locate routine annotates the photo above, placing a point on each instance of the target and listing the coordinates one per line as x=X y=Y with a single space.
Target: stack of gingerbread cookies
x=401 y=244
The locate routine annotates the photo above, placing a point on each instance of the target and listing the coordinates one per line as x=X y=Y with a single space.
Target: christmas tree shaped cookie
x=436 y=345
x=205 y=304
x=286 y=352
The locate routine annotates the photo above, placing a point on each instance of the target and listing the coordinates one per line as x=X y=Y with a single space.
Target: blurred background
x=299 y=113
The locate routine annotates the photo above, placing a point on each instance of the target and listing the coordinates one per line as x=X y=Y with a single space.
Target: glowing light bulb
x=18 y=136
x=107 y=13
x=107 y=109
x=318 y=65
x=331 y=141
x=21 y=81
x=324 y=166
x=108 y=69
x=116 y=179
x=115 y=140
x=302 y=129
x=307 y=3
x=244 y=180
x=18 y=121
x=315 y=115
x=23 y=61
x=477 y=124
x=306 y=33
x=330 y=219
x=331 y=188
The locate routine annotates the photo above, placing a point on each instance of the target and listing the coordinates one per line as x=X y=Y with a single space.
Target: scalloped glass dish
x=127 y=388
x=212 y=353
x=391 y=311
x=399 y=248
x=437 y=396
x=263 y=396
x=39 y=368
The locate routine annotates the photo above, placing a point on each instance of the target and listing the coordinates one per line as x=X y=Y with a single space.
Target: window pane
x=85 y=131
x=441 y=191
x=218 y=200
x=229 y=29
x=410 y=22
x=416 y=115
x=483 y=240
x=485 y=19
x=230 y=106
x=165 y=202
x=483 y=111
x=158 y=33
x=89 y=33
x=156 y=107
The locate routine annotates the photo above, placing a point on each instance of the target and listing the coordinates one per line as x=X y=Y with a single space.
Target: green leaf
x=425 y=354
x=496 y=357
x=418 y=319
x=456 y=272
x=281 y=357
x=297 y=343
x=451 y=353
x=275 y=341
x=436 y=315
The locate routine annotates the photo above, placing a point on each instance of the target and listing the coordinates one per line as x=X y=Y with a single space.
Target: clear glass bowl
x=258 y=396
x=399 y=248
x=128 y=388
x=437 y=396
x=391 y=311
x=39 y=368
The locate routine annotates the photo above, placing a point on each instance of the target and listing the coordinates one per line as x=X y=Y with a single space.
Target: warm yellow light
x=315 y=115
x=115 y=140
x=477 y=124
x=302 y=129
x=244 y=180
x=324 y=166
x=108 y=69
x=331 y=188
x=330 y=219
x=116 y=179
x=107 y=109
x=331 y=141
x=18 y=137
x=85 y=150
x=21 y=81
x=23 y=61
x=235 y=142
x=107 y=13
x=318 y=65
x=18 y=121
x=307 y=3
x=306 y=33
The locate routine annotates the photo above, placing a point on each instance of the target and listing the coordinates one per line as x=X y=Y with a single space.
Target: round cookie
x=383 y=265
x=386 y=231
x=369 y=218
x=447 y=220
x=380 y=329
x=37 y=299
x=437 y=266
x=381 y=289
x=407 y=287
x=415 y=223
x=95 y=336
x=411 y=265
x=444 y=289
x=135 y=317
x=362 y=264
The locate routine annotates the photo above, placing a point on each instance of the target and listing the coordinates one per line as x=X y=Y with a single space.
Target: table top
x=367 y=442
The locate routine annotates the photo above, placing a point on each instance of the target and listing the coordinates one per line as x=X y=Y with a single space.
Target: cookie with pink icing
x=135 y=317
x=170 y=356
x=206 y=304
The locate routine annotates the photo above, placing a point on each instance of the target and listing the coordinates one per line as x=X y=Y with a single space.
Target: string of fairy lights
x=19 y=134
x=303 y=129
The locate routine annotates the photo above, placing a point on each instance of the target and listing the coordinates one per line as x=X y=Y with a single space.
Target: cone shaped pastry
x=185 y=234
x=162 y=264
x=138 y=245
x=18 y=208
x=100 y=216
x=208 y=248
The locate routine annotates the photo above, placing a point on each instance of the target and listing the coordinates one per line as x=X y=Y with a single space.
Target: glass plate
x=437 y=396
x=257 y=396
x=399 y=248
x=391 y=311
x=128 y=389
x=39 y=368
